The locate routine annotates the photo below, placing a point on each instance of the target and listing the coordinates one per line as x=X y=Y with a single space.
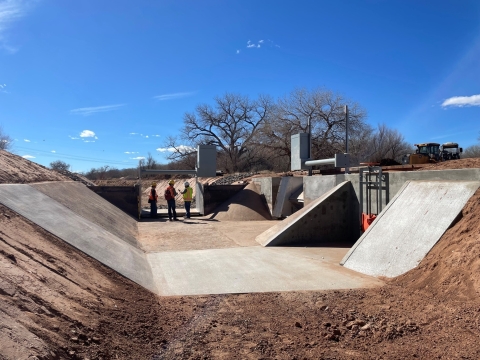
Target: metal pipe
x=347 y=170
x=320 y=162
x=181 y=172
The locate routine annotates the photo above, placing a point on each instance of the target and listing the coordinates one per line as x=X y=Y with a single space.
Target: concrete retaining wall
x=283 y=206
x=268 y=188
x=214 y=195
x=332 y=219
x=315 y=186
x=123 y=197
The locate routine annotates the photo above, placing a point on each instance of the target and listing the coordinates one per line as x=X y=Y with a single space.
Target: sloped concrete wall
x=330 y=219
x=409 y=227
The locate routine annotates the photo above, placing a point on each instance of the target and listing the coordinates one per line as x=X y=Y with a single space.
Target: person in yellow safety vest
x=152 y=199
x=187 y=198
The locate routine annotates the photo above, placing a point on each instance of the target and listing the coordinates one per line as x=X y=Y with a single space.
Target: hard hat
x=154 y=184
x=171 y=182
x=186 y=183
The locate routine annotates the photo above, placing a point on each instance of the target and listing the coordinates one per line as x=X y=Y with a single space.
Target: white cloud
x=131 y=152
x=26 y=140
x=267 y=42
x=460 y=101
x=238 y=51
x=96 y=109
x=28 y=157
x=87 y=133
x=155 y=135
x=53 y=151
x=10 y=11
x=181 y=148
x=133 y=134
x=172 y=96
x=2 y=88
x=138 y=158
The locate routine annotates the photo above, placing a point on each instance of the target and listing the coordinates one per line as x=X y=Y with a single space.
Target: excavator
x=433 y=152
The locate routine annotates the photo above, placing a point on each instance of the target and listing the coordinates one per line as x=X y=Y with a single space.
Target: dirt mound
x=246 y=205
x=452 y=268
x=16 y=170
x=58 y=303
x=453 y=164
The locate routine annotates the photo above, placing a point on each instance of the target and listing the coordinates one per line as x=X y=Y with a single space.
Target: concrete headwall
x=268 y=188
x=316 y=186
x=123 y=197
x=330 y=219
x=283 y=206
x=211 y=196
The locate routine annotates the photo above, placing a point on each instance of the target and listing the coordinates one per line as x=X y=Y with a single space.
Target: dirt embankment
x=16 y=170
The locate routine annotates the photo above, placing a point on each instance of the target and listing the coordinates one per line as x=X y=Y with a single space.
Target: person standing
x=152 y=199
x=187 y=198
x=170 y=194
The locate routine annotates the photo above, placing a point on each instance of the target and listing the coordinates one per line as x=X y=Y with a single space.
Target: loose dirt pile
x=453 y=164
x=57 y=303
x=246 y=205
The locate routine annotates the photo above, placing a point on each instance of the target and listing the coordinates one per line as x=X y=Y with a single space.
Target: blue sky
x=104 y=82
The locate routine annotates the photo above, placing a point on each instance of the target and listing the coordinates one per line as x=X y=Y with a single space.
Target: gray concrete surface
x=316 y=186
x=409 y=227
x=253 y=269
x=89 y=205
x=330 y=219
x=79 y=232
x=268 y=188
x=283 y=206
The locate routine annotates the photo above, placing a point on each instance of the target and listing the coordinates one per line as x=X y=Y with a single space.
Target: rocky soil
x=58 y=303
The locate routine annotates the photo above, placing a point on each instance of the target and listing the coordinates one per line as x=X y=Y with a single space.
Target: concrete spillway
x=84 y=220
x=409 y=227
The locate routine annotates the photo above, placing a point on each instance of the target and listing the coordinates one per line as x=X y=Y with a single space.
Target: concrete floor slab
x=253 y=269
x=409 y=227
x=79 y=232
x=198 y=233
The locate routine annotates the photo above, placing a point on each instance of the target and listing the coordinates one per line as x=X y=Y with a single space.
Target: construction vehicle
x=450 y=151
x=425 y=153
x=433 y=152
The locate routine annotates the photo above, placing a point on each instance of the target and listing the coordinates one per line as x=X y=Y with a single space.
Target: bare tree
x=472 y=152
x=230 y=125
x=387 y=143
x=323 y=110
x=150 y=162
x=59 y=165
x=5 y=140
